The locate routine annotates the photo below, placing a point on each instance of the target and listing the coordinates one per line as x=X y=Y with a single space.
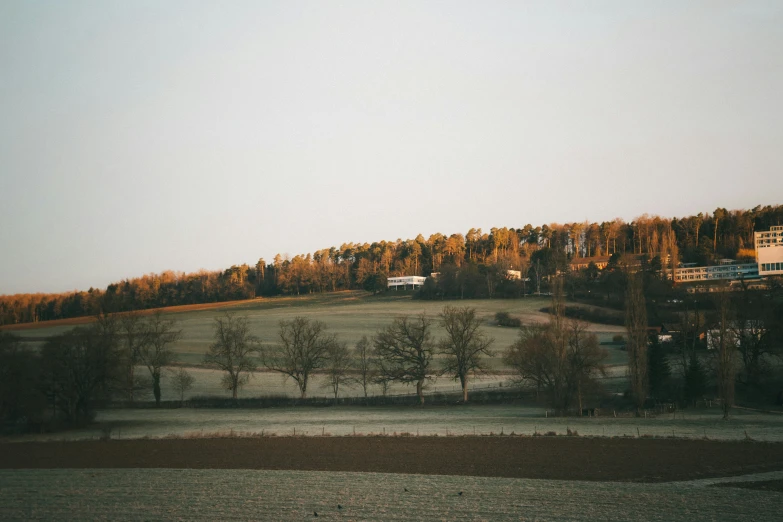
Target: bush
x=504 y=319
x=619 y=339
x=592 y=315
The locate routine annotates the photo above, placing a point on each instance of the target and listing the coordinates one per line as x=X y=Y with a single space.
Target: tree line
x=78 y=371
x=736 y=344
x=472 y=265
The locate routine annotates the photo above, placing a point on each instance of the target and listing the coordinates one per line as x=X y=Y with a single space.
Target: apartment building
x=769 y=251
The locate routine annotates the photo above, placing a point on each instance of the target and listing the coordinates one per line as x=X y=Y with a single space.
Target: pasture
x=350 y=315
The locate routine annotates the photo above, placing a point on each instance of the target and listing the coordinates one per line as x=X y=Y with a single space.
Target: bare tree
x=636 y=325
x=156 y=352
x=232 y=351
x=338 y=364
x=135 y=336
x=532 y=358
x=561 y=358
x=182 y=381
x=752 y=326
x=585 y=359
x=80 y=368
x=405 y=350
x=304 y=348
x=724 y=344
x=464 y=345
x=365 y=368
x=564 y=372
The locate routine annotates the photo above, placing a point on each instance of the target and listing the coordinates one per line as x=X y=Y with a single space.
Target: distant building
x=769 y=251
x=716 y=272
x=513 y=274
x=405 y=282
x=582 y=263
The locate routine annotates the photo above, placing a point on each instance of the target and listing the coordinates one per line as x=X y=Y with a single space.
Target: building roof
x=588 y=260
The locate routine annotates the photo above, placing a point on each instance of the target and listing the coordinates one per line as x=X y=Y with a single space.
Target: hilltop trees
x=405 y=350
x=539 y=252
x=304 y=347
x=232 y=351
x=464 y=344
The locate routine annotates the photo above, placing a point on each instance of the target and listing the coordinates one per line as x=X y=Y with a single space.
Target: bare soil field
x=559 y=458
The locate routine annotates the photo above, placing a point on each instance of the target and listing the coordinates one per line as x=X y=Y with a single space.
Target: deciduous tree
x=464 y=345
x=303 y=348
x=405 y=349
x=182 y=381
x=364 y=364
x=338 y=363
x=232 y=351
x=156 y=352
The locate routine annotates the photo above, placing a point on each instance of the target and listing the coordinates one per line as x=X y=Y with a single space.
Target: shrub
x=618 y=339
x=504 y=319
x=592 y=315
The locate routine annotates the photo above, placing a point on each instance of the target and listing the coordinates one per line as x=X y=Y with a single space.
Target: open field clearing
x=348 y=314
x=433 y=420
x=154 y=494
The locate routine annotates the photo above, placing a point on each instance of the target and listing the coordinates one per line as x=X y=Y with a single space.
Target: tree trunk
x=464 y=379
x=420 y=391
x=235 y=385
x=131 y=383
x=156 y=386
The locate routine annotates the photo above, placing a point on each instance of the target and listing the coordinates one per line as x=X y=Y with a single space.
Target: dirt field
x=561 y=458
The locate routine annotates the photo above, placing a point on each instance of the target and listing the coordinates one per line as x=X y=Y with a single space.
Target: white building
x=769 y=251
x=712 y=273
x=405 y=281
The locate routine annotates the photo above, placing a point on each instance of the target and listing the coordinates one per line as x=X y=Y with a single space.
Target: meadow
x=350 y=315
x=209 y=494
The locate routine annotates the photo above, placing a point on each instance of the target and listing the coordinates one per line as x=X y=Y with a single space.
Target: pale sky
x=142 y=136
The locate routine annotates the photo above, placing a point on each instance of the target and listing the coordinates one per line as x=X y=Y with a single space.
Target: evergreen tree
x=695 y=379
x=658 y=369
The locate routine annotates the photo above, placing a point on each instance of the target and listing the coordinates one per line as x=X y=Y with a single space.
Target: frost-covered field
x=154 y=494
x=462 y=420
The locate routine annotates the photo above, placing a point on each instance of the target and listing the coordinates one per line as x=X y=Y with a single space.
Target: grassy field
x=207 y=494
x=348 y=314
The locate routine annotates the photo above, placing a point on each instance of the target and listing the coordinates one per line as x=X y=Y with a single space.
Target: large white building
x=692 y=274
x=769 y=251
x=405 y=282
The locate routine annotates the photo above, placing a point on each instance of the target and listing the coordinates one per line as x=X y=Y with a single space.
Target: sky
x=145 y=136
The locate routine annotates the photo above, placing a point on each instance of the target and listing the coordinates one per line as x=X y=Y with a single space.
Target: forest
x=470 y=265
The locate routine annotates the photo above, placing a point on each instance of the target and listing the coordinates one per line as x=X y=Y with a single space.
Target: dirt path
x=643 y=460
